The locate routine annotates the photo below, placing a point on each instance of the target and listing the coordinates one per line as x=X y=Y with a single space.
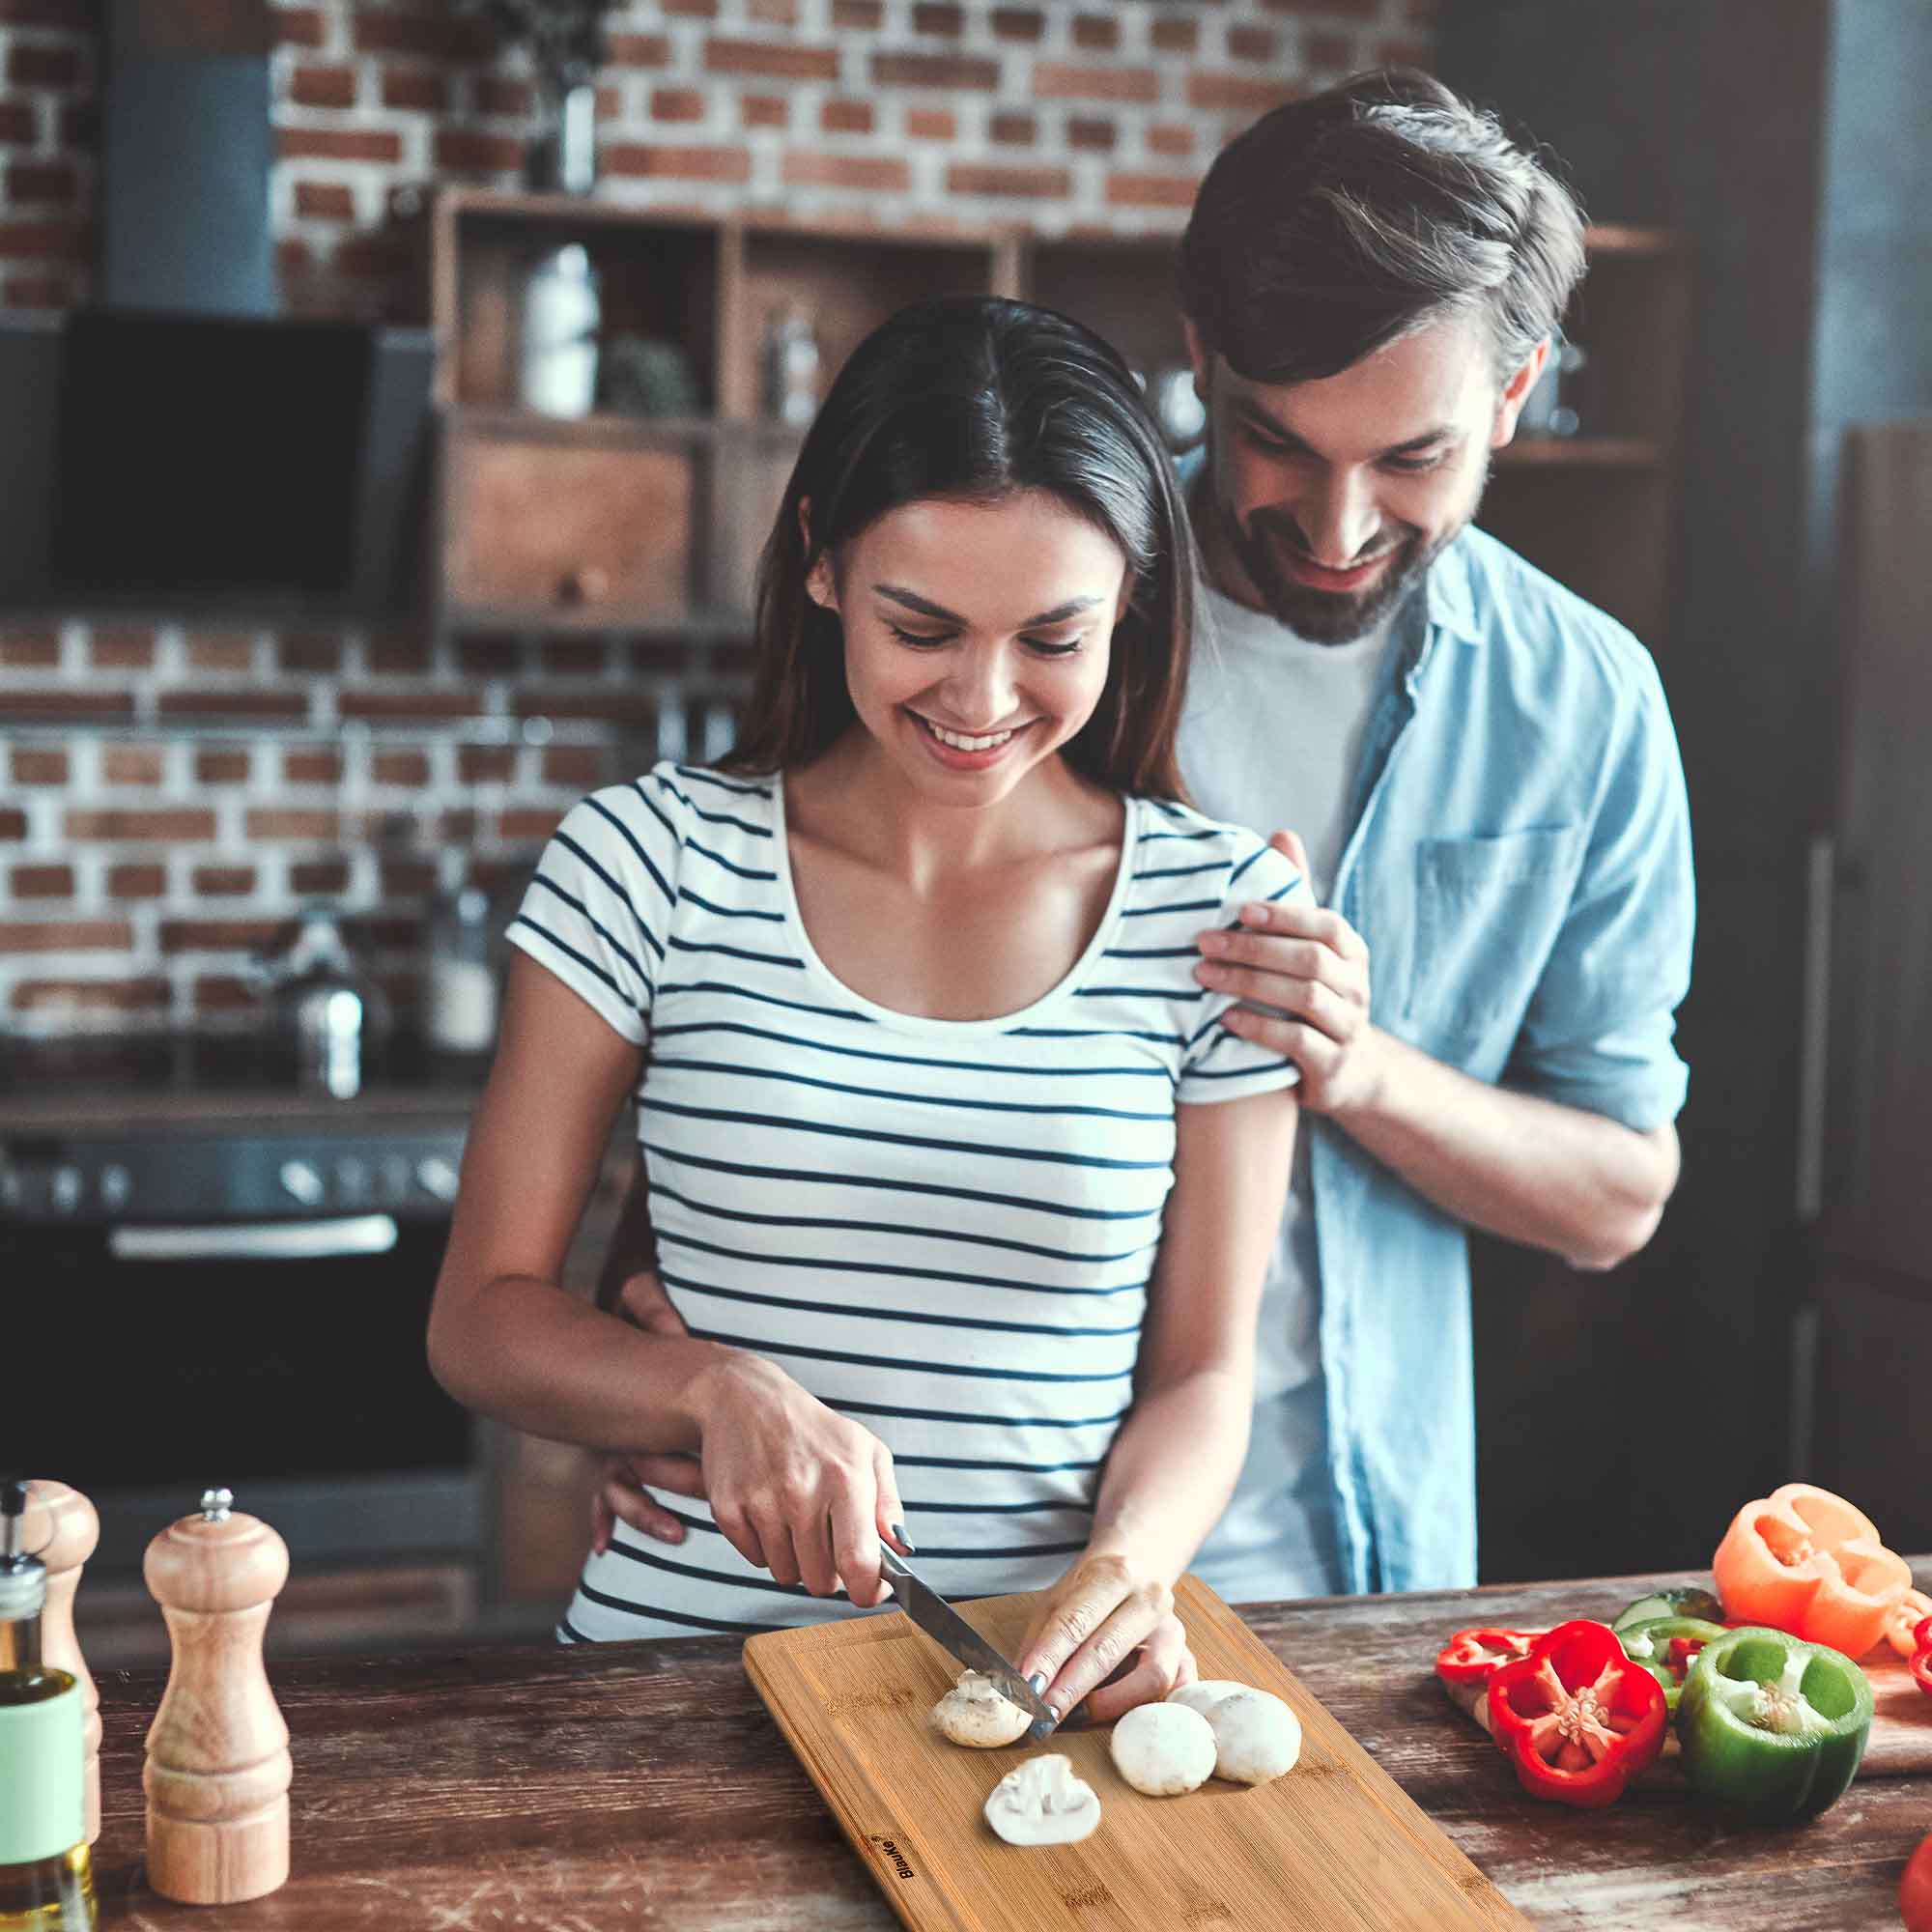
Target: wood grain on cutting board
x=1334 y=1846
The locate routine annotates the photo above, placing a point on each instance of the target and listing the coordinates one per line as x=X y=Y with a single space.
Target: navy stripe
x=735 y=953
x=657 y=812
x=1099 y=1032
x=1057 y=1156
x=1252 y=859
x=697 y=775
x=963 y=1418
x=619 y=1547
x=1236 y=1072
x=610 y=1602
x=910 y=1099
x=719 y=817
x=1173 y=994
x=569 y=951
x=1179 y=905
x=630 y=839
x=967 y=1463
x=1045 y=1329
x=615 y=887
x=1206 y=832
x=1146 y=951
x=763 y=999
x=899 y=1364
x=1183 y=871
x=730 y=866
x=602 y=930
x=897 y=1186
x=728 y=912
x=1274 y=898
x=926 y=1234
x=1150 y=1071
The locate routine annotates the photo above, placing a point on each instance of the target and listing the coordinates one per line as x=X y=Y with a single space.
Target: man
x=1489 y=800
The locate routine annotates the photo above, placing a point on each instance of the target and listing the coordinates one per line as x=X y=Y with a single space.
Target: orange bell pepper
x=1806 y=1561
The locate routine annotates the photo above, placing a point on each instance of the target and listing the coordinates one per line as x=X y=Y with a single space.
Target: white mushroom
x=1257 y=1736
x=1204 y=1693
x=1042 y=1804
x=974 y=1712
x=1163 y=1749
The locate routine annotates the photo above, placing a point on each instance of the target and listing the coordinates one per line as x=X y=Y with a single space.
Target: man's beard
x=1330 y=616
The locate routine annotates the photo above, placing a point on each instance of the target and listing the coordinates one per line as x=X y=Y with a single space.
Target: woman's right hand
x=795 y=1487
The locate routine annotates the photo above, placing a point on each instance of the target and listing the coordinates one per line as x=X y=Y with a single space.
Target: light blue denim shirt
x=1520 y=866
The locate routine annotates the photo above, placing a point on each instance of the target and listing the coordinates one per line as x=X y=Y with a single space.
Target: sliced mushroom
x=1257 y=1736
x=1164 y=1749
x=974 y=1712
x=1043 y=1802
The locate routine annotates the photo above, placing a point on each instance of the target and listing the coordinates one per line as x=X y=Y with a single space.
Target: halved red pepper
x=1577 y=1716
x=1471 y=1656
x=1922 y=1656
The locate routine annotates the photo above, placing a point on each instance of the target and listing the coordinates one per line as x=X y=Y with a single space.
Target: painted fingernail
x=904 y=1540
x=1037 y=1683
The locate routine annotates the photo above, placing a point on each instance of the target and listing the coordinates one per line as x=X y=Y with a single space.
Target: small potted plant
x=565 y=39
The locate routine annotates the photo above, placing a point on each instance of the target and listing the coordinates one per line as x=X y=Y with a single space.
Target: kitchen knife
x=948 y=1628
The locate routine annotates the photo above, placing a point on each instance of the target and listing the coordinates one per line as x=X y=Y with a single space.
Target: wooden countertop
x=644 y=1786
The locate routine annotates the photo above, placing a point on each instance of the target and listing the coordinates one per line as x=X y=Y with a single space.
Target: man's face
x=1330 y=497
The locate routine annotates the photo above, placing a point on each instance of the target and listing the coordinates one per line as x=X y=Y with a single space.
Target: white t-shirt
x=1271 y=738
x=942 y=1228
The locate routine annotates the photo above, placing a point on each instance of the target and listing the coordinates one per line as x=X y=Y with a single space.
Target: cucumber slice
x=1687 y=1601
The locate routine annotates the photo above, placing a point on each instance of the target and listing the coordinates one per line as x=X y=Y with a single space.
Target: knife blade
x=953 y=1635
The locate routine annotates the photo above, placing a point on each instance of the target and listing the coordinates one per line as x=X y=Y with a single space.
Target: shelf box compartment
x=847 y=284
x=543 y=523
x=656 y=279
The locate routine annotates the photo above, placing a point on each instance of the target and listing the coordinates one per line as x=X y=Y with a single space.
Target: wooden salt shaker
x=62 y=1528
x=217 y=1771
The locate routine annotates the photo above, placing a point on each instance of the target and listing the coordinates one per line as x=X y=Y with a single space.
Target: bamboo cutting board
x=1334 y=1846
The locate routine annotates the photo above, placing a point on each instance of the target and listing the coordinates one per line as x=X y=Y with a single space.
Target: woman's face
x=976 y=636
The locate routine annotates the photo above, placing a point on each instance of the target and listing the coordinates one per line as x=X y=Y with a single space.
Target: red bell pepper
x=1922 y=1656
x=1577 y=1716
x=1471 y=1656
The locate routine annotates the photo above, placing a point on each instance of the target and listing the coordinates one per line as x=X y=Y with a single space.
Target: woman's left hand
x=1104 y=1616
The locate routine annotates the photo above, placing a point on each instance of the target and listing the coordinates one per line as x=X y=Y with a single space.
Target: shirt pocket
x=1489 y=909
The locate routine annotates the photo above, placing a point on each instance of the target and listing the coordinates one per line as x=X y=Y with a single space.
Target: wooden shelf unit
x=1596 y=509
x=618 y=522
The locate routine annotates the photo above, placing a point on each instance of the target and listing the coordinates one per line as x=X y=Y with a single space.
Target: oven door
x=172 y=1356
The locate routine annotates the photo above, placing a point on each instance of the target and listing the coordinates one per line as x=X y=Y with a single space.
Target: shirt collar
x=1452 y=603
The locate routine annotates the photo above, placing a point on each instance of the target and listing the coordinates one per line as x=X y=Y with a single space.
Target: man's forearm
x=531 y=1355
x=1581 y=1185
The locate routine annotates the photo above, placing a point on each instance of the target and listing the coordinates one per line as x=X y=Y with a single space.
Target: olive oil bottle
x=47 y=1879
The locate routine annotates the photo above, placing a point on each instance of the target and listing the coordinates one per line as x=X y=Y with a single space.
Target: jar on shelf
x=460 y=986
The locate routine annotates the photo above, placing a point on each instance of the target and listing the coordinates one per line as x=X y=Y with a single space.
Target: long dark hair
x=972 y=398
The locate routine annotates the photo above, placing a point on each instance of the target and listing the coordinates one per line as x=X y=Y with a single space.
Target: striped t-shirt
x=943 y=1229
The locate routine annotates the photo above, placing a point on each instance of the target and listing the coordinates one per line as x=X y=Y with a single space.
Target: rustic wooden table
x=643 y=1786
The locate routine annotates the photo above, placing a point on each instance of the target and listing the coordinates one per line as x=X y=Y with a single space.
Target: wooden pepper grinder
x=218 y=1772
x=63 y=1527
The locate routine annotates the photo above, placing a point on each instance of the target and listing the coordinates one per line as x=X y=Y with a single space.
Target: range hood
x=178 y=441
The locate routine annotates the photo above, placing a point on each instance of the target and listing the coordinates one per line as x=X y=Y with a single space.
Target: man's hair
x=1335 y=225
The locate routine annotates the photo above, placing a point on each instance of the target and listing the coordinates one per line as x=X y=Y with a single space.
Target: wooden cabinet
x=625 y=518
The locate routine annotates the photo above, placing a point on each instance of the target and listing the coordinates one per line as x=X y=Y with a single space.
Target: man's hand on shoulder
x=1309 y=968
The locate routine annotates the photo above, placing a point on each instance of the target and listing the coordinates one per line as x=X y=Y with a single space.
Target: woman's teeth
x=960 y=743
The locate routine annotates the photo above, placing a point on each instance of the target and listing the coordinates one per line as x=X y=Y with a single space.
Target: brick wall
x=168 y=793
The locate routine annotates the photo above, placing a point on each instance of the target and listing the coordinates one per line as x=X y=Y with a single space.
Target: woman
x=962 y=1191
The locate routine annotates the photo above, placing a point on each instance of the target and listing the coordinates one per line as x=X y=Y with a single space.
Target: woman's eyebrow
x=925 y=606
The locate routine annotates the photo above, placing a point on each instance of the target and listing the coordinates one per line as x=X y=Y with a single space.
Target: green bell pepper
x=1660 y=1645
x=1773 y=1729
x=1678 y=1603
